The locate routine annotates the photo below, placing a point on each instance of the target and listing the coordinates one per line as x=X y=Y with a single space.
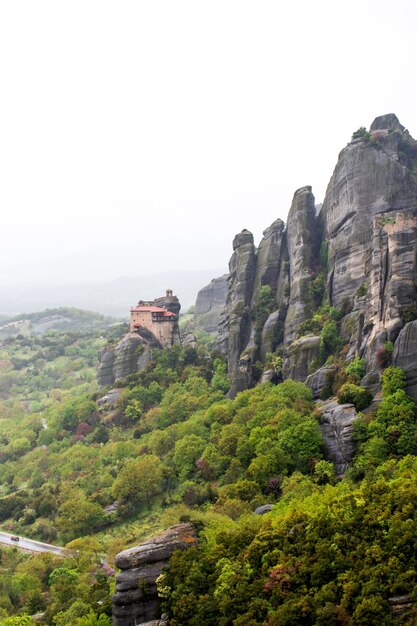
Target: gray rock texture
x=235 y=325
x=268 y=258
x=317 y=380
x=133 y=352
x=212 y=295
x=126 y=355
x=110 y=399
x=105 y=375
x=136 y=599
x=210 y=304
x=362 y=240
x=265 y=508
x=405 y=356
x=298 y=356
x=303 y=241
x=336 y=425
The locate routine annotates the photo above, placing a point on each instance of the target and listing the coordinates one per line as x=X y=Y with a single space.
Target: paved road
x=30 y=545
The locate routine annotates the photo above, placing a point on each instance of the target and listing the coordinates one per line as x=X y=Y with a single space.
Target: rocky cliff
x=356 y=254
x=136 y=599
x=209 y=305
x=133 y=352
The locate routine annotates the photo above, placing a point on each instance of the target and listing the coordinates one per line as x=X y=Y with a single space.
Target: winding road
x=30 y=545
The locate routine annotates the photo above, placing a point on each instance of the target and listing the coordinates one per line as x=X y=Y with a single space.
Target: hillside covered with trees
x=99 y=477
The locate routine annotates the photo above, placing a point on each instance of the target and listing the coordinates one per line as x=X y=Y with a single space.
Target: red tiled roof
x=152 y=309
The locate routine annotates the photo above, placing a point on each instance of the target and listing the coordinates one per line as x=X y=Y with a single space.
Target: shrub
x=409 y=313
x=356 y=369
x=324 y=255
x=392 y=379
x=362 y=290
x=361 y=133
x=329 y=339
x=353 y=394
x=384 y=355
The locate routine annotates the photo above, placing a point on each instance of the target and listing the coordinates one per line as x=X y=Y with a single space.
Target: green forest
x=99 y=477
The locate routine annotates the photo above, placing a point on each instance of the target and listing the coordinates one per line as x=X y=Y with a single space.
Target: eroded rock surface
x=359 y=249
x=405 y=356
x=336 y=425
x=136 y=599
x=235 y=325
x=133 y=352
x=210 y=304
x=318 y=380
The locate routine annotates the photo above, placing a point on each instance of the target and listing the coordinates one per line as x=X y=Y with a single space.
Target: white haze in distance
x=140 y=136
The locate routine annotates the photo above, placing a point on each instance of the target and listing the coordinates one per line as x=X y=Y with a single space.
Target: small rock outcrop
x=133 y=352
x=136 y=599
x=318 y=380
x=105 y=374
x=336 y=425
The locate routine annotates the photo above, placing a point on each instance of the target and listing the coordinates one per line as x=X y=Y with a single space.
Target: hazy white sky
x=138 y=136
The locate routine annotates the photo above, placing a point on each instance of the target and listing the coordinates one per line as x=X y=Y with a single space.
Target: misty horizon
x=169 y=128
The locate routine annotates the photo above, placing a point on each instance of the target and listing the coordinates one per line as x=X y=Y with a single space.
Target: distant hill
x=112 y=298
x=63 y=318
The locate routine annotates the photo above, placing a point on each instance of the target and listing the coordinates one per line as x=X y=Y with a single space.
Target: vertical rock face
x=367 y=226
x=268 y=258
x=105 y=375
x=211 y=296
x=405 y=356
x=136 y=599
x=133 y=352
x=210 y=304
x=336 y=425
x=235 y=325
x=303 y=246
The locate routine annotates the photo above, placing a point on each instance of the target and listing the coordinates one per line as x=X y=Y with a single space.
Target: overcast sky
x=138 y=136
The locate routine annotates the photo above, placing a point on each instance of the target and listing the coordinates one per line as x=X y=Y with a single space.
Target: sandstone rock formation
x=133 y=352
x=209 y=305
x=235 y=325
x=357 y=252
x=336 y=424
x=136 y=599
x=317 y=380
x=116 y=362
x=405 y=356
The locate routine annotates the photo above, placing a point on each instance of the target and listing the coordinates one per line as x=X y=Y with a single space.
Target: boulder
x=265 y=508
x=299 y=355
x=271 y=376
x=126 y=355
x=336 y=425
x=136 y=599
x=317 y=381
x=242 y=376
x=110 y=398
x=386 y=122
x=105 y=374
